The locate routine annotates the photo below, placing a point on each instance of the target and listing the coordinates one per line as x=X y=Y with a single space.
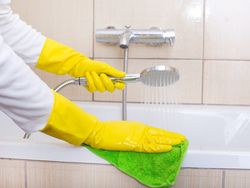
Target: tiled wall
x=34 y=174
x=212 y=49
x=212 y=54
x=30 y=174
x=12 y=173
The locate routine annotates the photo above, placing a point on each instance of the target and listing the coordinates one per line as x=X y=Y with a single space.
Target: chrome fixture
x=125 y=38
x=154 y=36
x=124 y=91
x=149 y=76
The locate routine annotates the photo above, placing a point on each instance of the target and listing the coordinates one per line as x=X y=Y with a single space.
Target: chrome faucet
x=154 y=36
x=126 y=38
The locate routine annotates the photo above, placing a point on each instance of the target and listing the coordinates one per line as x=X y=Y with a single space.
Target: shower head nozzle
x=156 y=76
x=160 y=75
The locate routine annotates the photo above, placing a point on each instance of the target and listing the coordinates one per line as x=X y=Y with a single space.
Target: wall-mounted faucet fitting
x=126 y=38
x=154 y=36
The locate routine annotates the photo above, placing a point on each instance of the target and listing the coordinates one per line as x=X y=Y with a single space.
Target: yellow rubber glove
x=70 y=123
x=60 y=59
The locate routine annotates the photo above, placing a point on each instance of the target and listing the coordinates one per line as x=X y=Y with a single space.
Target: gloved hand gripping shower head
x=156 y=76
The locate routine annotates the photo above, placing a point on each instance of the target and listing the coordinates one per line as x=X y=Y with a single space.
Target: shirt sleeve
x=26 y=99
x=22 y=38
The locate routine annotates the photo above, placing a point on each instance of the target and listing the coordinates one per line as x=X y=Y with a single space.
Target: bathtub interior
x=205 y=126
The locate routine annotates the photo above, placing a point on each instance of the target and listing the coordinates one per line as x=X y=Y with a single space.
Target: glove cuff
x=69 y=122
x=58 y=58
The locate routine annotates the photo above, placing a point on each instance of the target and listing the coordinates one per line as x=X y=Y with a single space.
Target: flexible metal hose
x=64 y=84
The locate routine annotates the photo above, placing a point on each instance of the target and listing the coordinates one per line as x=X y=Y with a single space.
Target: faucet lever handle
x=171 y=42
x=127 y=27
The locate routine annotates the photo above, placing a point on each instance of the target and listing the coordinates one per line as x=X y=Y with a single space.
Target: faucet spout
x=125 y=39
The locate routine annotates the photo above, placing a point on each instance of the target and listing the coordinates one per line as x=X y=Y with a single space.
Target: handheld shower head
x=159 y=76
x=156 y=76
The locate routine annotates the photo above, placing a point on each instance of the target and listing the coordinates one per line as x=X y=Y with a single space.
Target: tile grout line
x=227 y=60
x=25 y=175
x=203 y=52
x=93 y=47
x=223 y=179
x=146 y=58
x=194 y=104
x=184 y=59
x=93 y=17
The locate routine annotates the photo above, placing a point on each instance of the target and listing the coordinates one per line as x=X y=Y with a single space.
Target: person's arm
x=22 y=38
x=23 y=96
x=51 y=56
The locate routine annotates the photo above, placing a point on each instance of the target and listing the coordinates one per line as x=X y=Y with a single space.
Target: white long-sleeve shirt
x=24 y=97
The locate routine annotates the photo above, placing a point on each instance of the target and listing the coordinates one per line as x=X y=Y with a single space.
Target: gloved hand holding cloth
x=70 y=123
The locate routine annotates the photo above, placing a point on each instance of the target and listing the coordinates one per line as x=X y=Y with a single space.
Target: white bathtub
x=219 y=136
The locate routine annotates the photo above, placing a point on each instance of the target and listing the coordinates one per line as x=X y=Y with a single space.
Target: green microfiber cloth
x=151 y=169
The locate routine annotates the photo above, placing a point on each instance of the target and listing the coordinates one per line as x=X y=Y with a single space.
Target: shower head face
x=159 y=76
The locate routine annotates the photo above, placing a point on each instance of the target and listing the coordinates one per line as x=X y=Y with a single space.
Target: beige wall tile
x=185 y=17
x=194 y=178
x=71 y=92
x=236 y=178
x=12 y=173
x=227 y=29
x=65 y=175
x=68 y=22
x=226 y=82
